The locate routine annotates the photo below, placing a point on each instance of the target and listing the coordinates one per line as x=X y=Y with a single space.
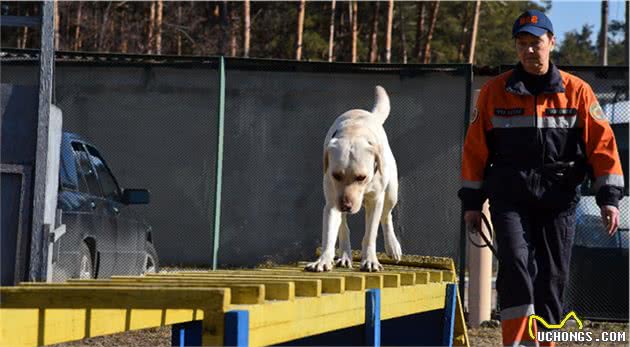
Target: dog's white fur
x=359 y=170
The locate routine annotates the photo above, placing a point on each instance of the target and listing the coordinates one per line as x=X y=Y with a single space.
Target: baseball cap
x=534 y=22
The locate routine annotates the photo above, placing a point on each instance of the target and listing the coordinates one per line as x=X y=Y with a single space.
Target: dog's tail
x=381 y=104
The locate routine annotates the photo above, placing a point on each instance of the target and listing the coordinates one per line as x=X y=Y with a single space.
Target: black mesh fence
x=154 y=120
x=598 y=287
x=155 y=126
x=277 y=115
x=155 y=123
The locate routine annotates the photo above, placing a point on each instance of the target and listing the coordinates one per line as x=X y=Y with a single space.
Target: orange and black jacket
x=537 y=148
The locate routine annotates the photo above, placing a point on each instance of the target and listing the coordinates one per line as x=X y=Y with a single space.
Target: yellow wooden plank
x=408 y=260
x=422 y=277
x=435 y=276
x=460 y=334
x=307 y=287
x=278 y=322
x=374 y=281
x=391 y=280
x=241 y=293
x=406 y=300
x=407 y=279
x=60 y=314
x=448 y=276
x=353 y=282
x=330 y=284
x=18 y=327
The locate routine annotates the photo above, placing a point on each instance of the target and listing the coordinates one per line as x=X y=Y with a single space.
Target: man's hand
x=610 y=218
x=473 y=220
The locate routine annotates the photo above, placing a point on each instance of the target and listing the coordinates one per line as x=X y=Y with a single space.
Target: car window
x=88 y=182
x=108 y=182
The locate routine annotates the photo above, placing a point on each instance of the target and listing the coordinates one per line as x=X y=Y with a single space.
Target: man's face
x=533 y=52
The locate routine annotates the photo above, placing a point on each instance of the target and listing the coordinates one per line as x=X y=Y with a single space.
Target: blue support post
x=186 y=334
x=236 y=328
x=449 y=315
x=373 y=317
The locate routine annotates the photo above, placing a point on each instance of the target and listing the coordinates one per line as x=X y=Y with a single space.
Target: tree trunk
x=473 y=34
x=179 y=24
x=246 y=29
x=151 y=28
x=124 y=44
x=331 y=35
x=222 y=13
x=388 y=35
x=77 y=29
x=104 y=25
x=419 y=31
x=24 y=34
x=374 y=36
x=464 y=36
x=426 y=55
x=300 y=30
x=56 y=24
x=355 y=31
x=603 y=35
x=233 y=30
x=403 y=37
x=158 y=26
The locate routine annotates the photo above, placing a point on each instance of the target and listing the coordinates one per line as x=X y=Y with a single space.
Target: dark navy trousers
x=534 y=247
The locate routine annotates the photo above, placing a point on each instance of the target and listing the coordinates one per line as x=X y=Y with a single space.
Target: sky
x=567 y=16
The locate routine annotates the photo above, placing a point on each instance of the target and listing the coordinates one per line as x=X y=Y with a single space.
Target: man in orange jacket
x=532 y=136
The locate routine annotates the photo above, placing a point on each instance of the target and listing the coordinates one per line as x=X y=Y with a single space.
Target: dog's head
x=350 y=164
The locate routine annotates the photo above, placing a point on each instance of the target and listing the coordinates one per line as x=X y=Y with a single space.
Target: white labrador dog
x=359 y=170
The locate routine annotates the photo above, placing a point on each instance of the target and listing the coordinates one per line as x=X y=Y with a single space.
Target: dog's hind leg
x=392 y=246
x=344 y=244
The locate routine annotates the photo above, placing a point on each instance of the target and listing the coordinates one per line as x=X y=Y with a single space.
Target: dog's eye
x=360 y=178
x=337 y=176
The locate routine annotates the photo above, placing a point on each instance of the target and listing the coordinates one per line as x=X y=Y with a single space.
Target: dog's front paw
x=392 y=248
x=371 y=264
x=320 y=265
x=344 y=261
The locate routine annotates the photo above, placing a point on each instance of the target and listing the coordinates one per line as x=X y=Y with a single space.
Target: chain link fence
x=154 y=120
x=598 y=287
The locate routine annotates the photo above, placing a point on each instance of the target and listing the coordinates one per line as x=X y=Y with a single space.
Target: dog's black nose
x=346 y=207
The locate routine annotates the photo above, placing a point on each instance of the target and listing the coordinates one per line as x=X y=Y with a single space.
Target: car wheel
x=86 y=266
x=151 y=264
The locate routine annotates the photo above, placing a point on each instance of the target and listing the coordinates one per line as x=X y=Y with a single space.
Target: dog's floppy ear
x=377 y=149
x=325 y=160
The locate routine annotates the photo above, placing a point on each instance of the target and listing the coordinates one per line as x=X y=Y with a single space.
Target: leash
x=488 y=242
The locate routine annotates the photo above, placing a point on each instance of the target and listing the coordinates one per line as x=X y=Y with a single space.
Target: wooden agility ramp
x=413 y=302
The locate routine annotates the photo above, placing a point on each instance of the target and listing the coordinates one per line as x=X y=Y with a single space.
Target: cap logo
x=528 y=19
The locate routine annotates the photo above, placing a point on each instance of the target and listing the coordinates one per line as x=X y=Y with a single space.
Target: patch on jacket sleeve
x=475 y=115
x=596 y=111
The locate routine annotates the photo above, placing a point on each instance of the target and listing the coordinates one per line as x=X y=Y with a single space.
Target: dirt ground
x=488 y=336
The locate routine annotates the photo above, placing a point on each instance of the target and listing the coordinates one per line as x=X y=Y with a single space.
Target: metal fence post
x=219 y=164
